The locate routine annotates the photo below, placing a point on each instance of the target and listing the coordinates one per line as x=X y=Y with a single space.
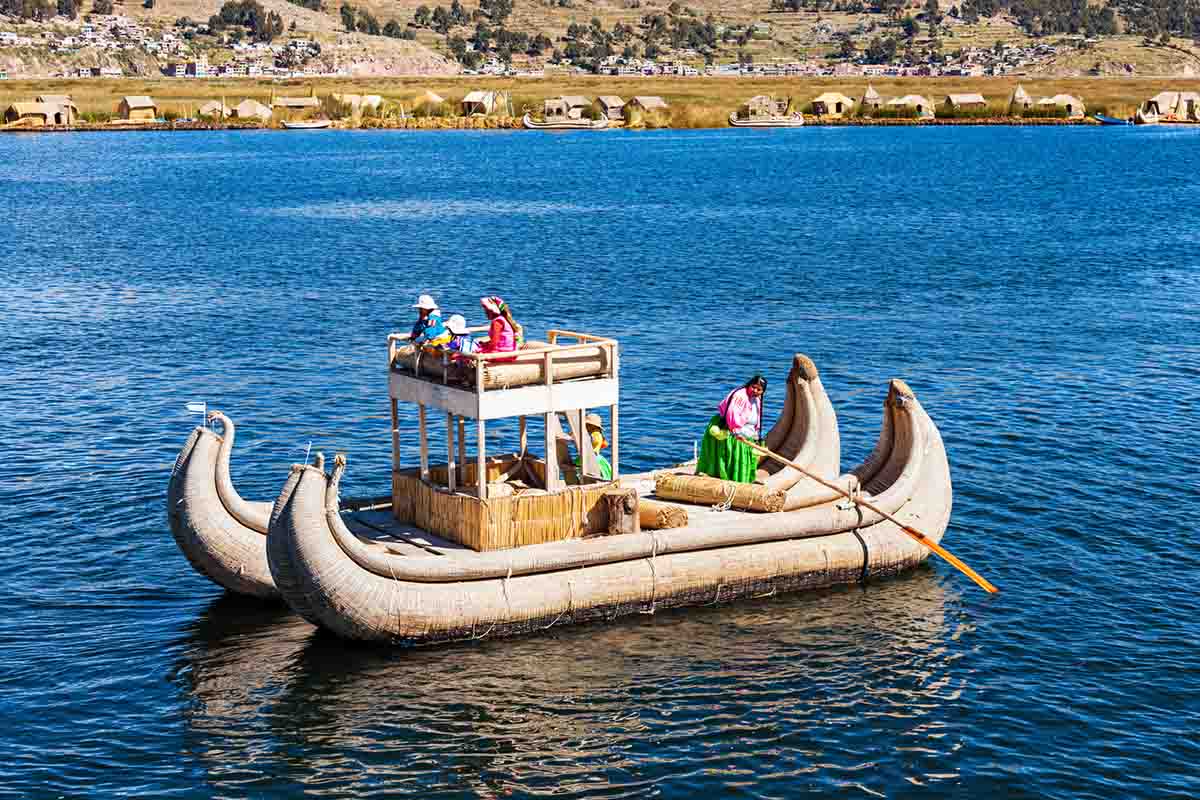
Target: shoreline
x=514 y=124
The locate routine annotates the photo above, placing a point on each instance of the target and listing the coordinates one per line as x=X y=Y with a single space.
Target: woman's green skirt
x=729 y=458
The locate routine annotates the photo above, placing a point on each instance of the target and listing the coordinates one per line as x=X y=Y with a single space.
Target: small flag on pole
x=199 y=408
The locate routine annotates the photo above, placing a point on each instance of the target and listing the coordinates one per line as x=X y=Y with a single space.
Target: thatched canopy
x=251 y=109
x=649 y=102
x=970 y=100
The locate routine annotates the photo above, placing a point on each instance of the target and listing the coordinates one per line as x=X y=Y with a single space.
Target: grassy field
x=695 y=102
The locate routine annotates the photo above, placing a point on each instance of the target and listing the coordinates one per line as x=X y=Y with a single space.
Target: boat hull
x=316 y=125
x=530 y=123
x=360 y=590
x=793 y=121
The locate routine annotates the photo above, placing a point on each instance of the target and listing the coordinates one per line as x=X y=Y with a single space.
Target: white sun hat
x=457 y=325
x=427 y=302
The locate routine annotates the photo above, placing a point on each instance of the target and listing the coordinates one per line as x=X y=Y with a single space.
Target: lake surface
x=1038 y=289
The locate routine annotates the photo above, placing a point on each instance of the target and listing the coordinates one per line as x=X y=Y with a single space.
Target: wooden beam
x=481 y=461
x=524 y=437
x=424 y=443
x=553 y=481
x=395 y=436
x=450 y=476
x=616 y=438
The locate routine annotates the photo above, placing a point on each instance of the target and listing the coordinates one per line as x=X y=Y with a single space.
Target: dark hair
x=756 y=379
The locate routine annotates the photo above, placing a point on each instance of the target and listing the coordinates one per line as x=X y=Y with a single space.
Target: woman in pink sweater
x=726 y=456
x=504 y=334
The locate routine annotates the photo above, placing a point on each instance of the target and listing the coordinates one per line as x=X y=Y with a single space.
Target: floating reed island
x=476 y=544
x=500 y=109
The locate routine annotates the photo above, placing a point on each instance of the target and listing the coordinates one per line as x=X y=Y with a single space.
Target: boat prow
x=382 y=591
x=222 y=535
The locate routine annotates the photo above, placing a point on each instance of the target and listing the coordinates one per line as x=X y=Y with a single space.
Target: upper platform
x=540 y=378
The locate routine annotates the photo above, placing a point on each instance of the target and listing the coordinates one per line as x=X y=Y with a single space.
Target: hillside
x=397 y=37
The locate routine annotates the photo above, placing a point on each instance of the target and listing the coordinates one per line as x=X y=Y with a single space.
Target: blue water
x=1037 y=288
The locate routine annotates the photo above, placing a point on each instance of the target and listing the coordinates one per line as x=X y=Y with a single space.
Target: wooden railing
x=584 y=341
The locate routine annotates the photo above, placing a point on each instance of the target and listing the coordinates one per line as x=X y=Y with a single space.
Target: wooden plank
x=395 y=435
x=553 y=480
x=524 y=437
x=424 y=442
x=539 y=398
x=614 y=431
x=450 y=466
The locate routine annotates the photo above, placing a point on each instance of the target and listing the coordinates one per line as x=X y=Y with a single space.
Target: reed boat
x=563 y=124
x=793 y=120
x=223 y=536
x=1104 y=119
x=507 y=545
x=307 y=125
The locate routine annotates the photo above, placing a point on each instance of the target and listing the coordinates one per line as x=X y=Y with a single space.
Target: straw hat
x=593 y=421
x=426 y=302
x=456 y=325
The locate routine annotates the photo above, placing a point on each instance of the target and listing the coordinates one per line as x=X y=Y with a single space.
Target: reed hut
x=215 y=108
x=764 y=105
x=871 y=100
x=964 y=102
x=648 y=102
x=295 y=103
x=1019 y=101
x=1188 y=107
x=920 y=106
x=137 y=108
x=63 y=109
x=251 y=109
x=1072 y=105
x=832 y=104
x=611 y=106
x=33 y=115
x=480 y=103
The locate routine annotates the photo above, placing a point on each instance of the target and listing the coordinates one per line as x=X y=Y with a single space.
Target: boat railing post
x=481 y=462
x=395 y=436
x=614 y=358
x=424 y=442
x=462 y=445
x=450 y=465
x=524 y=437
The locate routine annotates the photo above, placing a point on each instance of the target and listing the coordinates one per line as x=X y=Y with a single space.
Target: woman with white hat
x=460 y=340
x=428 y=329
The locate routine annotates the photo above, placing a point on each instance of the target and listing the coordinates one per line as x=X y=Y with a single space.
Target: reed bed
x=695 y=102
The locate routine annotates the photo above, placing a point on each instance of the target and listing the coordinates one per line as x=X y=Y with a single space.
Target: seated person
x=428 y=331
x=595 y=429
x=504 y=334
x=460 y=342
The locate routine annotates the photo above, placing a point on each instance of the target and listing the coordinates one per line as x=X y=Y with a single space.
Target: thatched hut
x=137 y=108
x=832 y=104
x=251 y=109
x=215 y=108
x=764 y=105
x=1019 y=101
x=63 y=109
x=1072 y=105
x=920 y=106
x=871 y=100
x=964 y=102
x=648 y=102
x=295 y=103
x=611 y=106
x=33 y=115
x=480 y=103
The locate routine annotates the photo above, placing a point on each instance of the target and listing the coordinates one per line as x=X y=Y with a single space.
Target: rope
x=504 y=587
x=570 y=605
x=728 y=502
x=653 y=574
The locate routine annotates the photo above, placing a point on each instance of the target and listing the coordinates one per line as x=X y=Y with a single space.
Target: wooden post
x=424 y=442
x=395 y=436
x=462 y=445
x=616 y=437
x=450 y=476
x=552 y=477
x=481 y=462
x=524 y=437
x=623 y=516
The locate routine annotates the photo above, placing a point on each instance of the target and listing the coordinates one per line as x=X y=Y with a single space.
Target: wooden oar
x=913 y=532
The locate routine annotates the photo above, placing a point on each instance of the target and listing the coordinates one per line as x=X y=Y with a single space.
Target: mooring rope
x=653 y=573
x=727 y=503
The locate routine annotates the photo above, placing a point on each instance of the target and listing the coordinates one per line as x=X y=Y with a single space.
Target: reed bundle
x=658 y=516
x=702 y=490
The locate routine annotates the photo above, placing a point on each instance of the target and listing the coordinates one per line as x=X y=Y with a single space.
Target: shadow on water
x=572 y=708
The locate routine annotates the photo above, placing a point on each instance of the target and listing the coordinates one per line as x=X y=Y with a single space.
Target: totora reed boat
x=502 y=545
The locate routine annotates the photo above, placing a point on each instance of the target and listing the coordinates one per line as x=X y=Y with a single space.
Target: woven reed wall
x=498 y=523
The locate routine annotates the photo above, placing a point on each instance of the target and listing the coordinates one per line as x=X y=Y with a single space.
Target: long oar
x=913 y=532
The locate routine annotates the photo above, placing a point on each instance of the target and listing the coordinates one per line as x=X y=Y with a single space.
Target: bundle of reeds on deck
x=705 y=491
x=658 y=516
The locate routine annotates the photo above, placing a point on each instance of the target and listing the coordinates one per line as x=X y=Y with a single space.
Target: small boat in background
x=307 y=125
x=1107 y=120
x=764 y=111
x=563 y=124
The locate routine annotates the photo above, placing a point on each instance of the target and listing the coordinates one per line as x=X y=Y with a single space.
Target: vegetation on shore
x=694 y=102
